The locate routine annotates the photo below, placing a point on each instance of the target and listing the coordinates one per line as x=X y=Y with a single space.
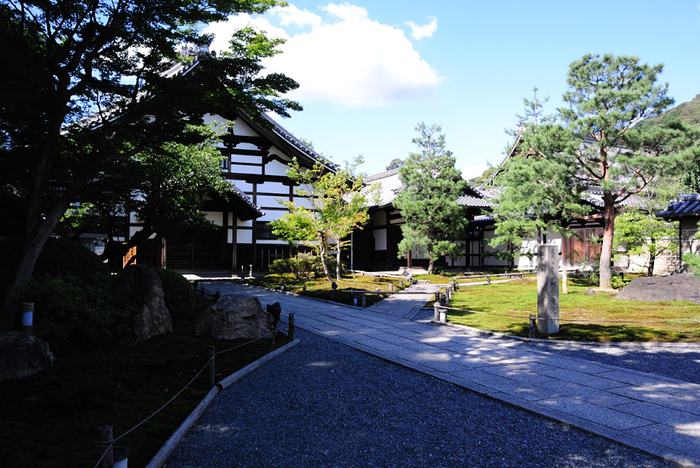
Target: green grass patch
x=50 y=420
x=321 y=288
x=505 y=308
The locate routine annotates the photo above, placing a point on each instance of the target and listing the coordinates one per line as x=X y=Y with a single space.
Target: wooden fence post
x=105 y=443
x=212 y=366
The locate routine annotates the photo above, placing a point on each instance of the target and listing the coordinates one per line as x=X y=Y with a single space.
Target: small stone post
x=364 y=300
x=533 y=326
x=547 y=289
x=334 y=286
x=105 y=443
x=212 y=366
x=443 y=315
x=436 y=311
x=291 y=326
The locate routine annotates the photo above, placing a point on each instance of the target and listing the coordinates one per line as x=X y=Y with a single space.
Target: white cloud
x=291 y=15
x=419 y=32
x=471 y=171
x=224 y=30
x=347 y=59
x=347 y=12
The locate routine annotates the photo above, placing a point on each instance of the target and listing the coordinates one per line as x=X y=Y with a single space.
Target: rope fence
x=106 y=441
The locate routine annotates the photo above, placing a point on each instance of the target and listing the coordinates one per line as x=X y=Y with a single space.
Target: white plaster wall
x=460 y=260
x=275 y=167
x=379 y=239
x=302 y=201
x=248 y=223
x=241 y=128
x=245 y=169
x=271 y=215
x=244 y=236
x=243 y=186
x=242 y=158
x=217 y=217
x=273 y=187
x=268 y=201
x=278 y=243
x=490 y=260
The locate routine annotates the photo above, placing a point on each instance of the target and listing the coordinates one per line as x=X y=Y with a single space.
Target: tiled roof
x=687 y=206
x=299 y=145
x=247 y=200
x=470 y=200
x=390 y=185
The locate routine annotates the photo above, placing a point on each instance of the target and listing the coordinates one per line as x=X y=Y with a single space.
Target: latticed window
x=263 y=230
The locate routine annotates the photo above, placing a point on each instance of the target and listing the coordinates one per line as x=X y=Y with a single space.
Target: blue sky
x=370 y=71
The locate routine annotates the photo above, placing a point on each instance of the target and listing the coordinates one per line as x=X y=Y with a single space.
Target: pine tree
x=595 y=140
x=428 y=200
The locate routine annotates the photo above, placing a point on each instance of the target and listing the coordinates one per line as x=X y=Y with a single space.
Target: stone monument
x=547 y=289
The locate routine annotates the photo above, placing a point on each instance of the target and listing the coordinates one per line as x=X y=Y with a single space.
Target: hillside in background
x=688 y=112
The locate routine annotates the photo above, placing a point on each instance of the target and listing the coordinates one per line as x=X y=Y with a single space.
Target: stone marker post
x=547 y=289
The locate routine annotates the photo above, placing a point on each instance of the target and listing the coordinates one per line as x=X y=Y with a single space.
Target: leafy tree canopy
x=594 y=137
x=87 y=87
x=428 y=200
x=338 y=203
x=533 y=191
x=395 y=164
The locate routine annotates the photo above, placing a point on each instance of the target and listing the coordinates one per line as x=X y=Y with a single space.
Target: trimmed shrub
x=72 y=291
x=179 y=293
x=305 y=265
x=63 y=256
x=70 y=313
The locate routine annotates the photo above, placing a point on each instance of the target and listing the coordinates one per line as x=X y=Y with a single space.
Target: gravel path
x=325 y=404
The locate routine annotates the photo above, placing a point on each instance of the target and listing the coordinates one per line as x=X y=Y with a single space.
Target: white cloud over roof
x=343 y=57
x=419 y=32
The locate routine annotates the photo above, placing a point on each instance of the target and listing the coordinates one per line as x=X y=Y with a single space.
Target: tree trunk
x=431 y=265
x=652 y=257
x=36 y=237
x=337 y=261
x=322 y=251
x=608 y=232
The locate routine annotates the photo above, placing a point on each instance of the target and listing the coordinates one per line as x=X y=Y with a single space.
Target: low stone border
x=630 y=344
x=171 y=444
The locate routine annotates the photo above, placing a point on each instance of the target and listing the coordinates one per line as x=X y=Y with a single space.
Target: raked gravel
x=324 y=404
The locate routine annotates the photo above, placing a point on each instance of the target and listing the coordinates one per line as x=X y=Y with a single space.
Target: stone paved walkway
x=654 y=414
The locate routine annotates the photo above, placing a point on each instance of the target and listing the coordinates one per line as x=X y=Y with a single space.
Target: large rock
x=22 y=355
x=235 y=316
x=669 y=288
x=140 y=288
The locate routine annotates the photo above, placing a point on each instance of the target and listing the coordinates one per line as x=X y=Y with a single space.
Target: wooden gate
x=191 y=251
